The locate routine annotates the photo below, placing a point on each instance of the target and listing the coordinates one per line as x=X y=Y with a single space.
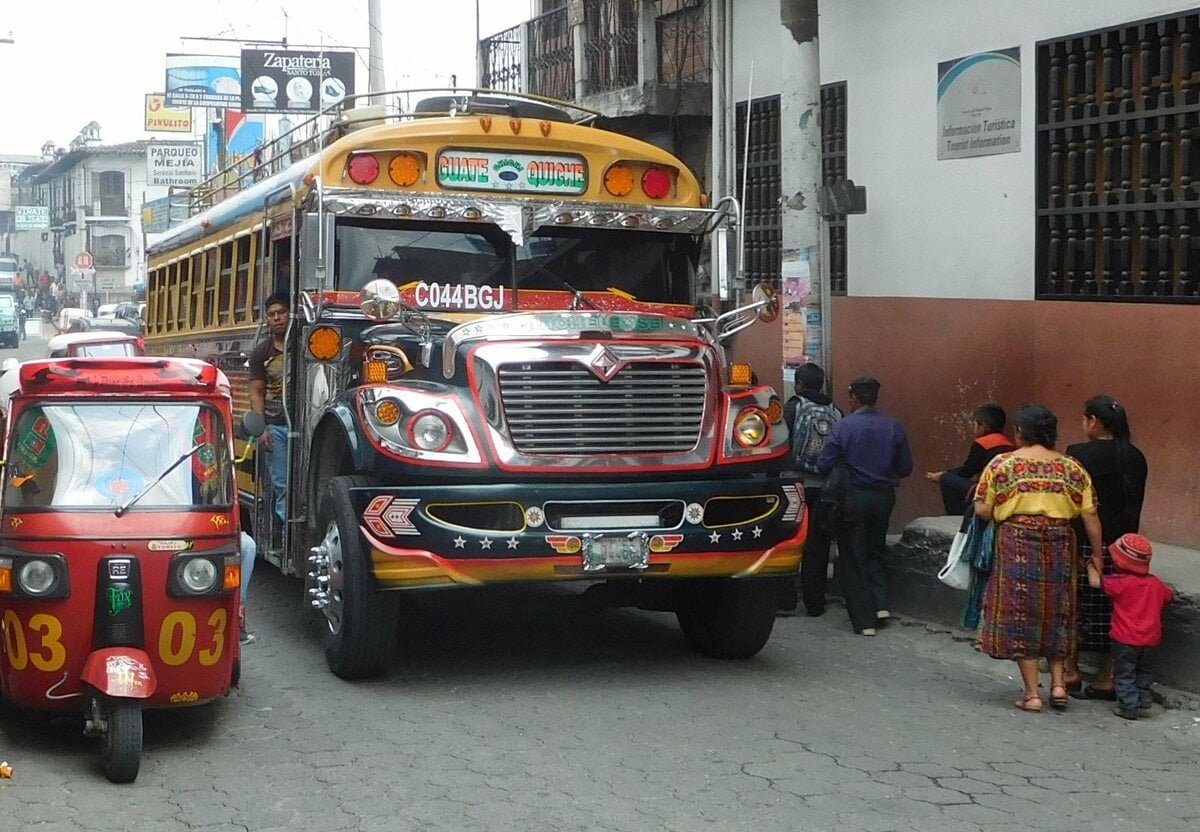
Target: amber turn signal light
x=233 y=576
x=740 y=375
x=374 y=372
x=618 y=180
x=324 y=343
x=404 y=169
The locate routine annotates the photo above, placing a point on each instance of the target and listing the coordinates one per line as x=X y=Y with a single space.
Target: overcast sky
x=75 y=61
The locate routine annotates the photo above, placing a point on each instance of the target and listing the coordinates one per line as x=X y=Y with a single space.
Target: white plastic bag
x=956 y=572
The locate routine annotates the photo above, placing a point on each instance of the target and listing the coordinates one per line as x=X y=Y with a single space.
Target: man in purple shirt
x=875 y=451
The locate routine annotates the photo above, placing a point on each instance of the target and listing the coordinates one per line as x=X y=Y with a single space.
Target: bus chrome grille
x=561 y=407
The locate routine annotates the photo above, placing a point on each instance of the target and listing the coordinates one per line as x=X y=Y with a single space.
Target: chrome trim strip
x=566 y=324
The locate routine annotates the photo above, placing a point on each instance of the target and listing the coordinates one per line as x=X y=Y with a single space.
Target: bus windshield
x=653 y=267
x=98 y=456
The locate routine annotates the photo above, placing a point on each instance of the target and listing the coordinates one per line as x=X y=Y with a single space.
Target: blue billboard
x=204 y=80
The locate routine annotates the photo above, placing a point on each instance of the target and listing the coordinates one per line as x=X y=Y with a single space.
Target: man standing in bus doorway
x=266 y=396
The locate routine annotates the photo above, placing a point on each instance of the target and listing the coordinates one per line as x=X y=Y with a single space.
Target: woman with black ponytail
x=1118 y=471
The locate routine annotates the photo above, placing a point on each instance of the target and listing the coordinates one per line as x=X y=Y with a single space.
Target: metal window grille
x=610 y=44
x=682 y=32
x=760 y=201
x=552 y=56
x=1118 y=163
x=833 y=169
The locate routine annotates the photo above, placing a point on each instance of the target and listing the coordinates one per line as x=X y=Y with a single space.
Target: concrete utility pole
x=375 y=82
x=800 y=120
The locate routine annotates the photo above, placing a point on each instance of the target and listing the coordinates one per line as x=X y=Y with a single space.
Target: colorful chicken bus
x=496 y=369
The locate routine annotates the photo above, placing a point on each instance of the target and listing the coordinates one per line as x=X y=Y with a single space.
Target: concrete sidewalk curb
x=921 y=550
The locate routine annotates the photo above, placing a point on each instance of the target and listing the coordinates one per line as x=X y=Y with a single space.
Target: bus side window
x=173 y=322
x=236 y=285
x=185 y=288
x=242 y=288
x=195 y=307
x=223 y=255
x=282 y=261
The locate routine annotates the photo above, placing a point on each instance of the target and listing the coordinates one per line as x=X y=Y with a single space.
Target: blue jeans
x=277 y=471
x=1132 y=676
x=954 y=493
x=249 y=555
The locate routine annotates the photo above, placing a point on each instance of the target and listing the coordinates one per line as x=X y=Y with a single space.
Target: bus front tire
x=727 y=618
x=362 y=641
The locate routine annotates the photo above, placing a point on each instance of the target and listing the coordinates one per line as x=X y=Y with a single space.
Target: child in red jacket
x=1138 y=600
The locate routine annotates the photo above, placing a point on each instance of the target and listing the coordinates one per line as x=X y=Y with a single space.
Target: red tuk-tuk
x=119 y=566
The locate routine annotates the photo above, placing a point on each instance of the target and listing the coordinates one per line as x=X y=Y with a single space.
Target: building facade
x=95 y=194
x=1041 y=250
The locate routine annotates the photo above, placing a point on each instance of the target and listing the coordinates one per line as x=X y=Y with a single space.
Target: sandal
x=1057 y=702
x=1028 y=704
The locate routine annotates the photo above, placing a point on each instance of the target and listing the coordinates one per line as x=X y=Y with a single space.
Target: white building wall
x=950 y=229
x=757 y=35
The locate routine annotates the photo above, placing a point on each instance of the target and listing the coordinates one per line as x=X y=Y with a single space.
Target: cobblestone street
x=535 y=712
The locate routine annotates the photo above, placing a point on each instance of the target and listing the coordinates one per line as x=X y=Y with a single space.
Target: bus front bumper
x=431 y=536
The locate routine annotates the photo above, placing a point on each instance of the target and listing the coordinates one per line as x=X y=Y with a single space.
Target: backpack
x=810 y=432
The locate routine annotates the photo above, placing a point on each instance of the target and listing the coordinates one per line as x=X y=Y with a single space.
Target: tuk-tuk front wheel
x=122 y=739
x=360 y=637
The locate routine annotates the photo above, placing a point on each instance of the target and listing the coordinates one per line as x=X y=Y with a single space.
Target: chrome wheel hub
x=326 y=577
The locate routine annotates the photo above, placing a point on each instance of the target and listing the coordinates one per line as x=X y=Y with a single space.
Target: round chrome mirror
x=379 y=300
x=769 y=311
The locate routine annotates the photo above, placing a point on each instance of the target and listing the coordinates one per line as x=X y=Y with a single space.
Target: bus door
x=310 y=383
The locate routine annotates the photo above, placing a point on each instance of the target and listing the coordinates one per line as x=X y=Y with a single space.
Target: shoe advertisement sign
x=295 y=80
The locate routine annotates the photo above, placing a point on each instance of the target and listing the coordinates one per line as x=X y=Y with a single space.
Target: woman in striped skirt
x=1029 y=607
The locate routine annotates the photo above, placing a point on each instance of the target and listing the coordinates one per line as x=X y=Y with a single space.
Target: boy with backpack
x=811 y=416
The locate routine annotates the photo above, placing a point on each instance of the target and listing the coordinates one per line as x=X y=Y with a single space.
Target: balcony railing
x=604 y=52
x=501 y=66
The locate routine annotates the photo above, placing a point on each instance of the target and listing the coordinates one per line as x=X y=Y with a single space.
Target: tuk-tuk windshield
x=98 y=456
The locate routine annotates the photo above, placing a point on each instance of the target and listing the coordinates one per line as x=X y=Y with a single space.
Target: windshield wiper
x=580 y=297
x=186 y=455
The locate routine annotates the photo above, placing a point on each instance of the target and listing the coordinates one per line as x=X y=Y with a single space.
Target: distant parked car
x=106 y=324
x=92 y=345
x=68 y=314
x=106 y=309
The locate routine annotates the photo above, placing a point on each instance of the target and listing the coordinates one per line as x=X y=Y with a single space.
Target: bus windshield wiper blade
x=185 y=455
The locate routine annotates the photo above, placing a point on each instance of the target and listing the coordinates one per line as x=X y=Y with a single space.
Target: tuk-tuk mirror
x=379 y=300
x=253 y=423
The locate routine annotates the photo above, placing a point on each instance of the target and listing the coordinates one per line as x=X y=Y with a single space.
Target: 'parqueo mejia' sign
x=176 y=163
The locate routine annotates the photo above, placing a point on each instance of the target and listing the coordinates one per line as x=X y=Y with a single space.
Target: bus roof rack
x=497 y=105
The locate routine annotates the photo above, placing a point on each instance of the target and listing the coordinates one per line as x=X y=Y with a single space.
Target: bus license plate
x=616 y=553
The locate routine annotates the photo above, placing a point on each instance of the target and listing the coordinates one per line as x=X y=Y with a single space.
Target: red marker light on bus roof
x=363 y=168
x=656 y=183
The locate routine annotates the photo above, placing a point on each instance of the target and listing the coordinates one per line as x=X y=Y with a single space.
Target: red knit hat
x=1131 y=553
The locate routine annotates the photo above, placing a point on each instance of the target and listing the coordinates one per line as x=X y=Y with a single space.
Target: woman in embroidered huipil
x=1033 y=494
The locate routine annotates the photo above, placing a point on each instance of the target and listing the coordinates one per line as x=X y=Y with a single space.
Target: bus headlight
x=36 y=577
x=750 y=428
x=430 y=431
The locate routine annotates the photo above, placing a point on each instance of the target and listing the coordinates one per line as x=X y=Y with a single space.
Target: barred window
x=833 y=169
x=1118 y=152
x=760 y=201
